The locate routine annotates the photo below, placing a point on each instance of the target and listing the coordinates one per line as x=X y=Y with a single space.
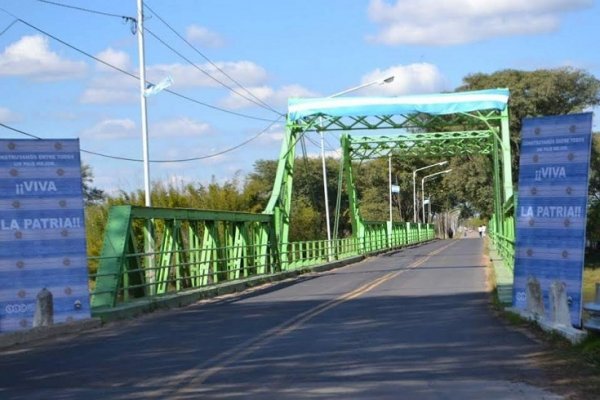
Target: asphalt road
x=414 y=324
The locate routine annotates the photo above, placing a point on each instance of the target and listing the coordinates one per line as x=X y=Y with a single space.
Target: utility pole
x=148 y=228
x=144 y=119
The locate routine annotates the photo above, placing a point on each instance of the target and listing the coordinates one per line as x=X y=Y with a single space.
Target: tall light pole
x=390 y=183
x=423 y=187
x=145 y=151
x=414 y=176
x=383 y=81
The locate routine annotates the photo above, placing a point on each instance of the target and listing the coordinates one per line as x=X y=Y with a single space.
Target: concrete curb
x=147 y=305
x=573 y=335
x=503 y=276
x=10 y=339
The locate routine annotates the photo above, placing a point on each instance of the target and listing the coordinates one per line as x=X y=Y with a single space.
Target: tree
x=91 y=194
x=537 y=93
x=532 y=93
x=593 y=215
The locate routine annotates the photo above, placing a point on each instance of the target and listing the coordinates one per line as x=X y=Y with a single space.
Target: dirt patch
x=569 y=370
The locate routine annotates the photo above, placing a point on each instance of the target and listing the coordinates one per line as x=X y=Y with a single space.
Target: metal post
x=145 y=151
x=423 y=187
x=414 y=197
x=423 y=197
x=390 y=183
x=326 y=195
x=148 y=239
x=415 y=188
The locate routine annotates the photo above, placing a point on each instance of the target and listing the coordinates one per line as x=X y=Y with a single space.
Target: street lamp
x=415 y=187
x=423 y=187
x=382 y=81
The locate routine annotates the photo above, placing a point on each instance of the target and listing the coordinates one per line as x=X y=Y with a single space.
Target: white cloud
x=452 y=22
x=177 y=128
x=111 y=86
x=111 y=129
x=203 y=36
x=274 y=134
x=408 y=79
x=118 y=58
x=274 y=98
x=245 y=72
x=97 y=95
x=32 y=57
x=8 y=116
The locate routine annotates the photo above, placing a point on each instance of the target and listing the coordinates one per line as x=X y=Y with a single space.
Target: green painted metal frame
x=478 y=132
x=197 y=248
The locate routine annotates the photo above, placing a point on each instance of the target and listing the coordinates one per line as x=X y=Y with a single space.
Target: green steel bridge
x=151 y=252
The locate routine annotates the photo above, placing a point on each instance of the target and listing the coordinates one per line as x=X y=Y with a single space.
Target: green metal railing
x=502 y=233
x=151 y=252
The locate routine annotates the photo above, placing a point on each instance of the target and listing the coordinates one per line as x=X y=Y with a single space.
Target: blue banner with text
x=42 y=232
x=551 y=211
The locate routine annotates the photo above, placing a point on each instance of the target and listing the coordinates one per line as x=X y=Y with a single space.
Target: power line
x=133 y=75
x=9 y=26
x=133 y=23
x=227 y=150
x=124 y=17
x=210 y=61
x=208 y=74
x=19 y=131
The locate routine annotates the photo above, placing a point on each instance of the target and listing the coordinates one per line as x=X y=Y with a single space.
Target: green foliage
x=593 y=216
x=91 y=194
x=537 y=93
x=305 y=221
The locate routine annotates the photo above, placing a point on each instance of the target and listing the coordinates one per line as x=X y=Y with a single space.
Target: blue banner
x=551 y=211
x=42 y=232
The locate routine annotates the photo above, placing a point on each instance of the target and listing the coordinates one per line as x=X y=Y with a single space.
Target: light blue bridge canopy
x=437 y=104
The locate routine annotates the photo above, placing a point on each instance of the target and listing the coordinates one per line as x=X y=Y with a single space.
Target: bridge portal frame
x=440 y=125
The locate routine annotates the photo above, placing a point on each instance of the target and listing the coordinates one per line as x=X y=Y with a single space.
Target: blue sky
x=275 y=49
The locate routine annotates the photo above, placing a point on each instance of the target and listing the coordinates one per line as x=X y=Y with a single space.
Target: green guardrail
x=150 y=252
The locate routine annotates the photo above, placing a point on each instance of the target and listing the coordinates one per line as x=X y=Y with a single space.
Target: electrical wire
x=133 y=23
x=124 y=17
x=227 y=150
x=210 y=61
x=133 y=75
x=9 y=26
x=20 y=131
x=208 y=74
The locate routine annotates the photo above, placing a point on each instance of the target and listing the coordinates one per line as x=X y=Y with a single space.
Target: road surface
x=413 y=324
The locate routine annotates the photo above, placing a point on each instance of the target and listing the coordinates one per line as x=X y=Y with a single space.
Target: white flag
x=152 y=89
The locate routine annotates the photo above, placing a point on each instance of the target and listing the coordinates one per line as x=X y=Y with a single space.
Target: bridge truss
x=442 y=125
x=152 y=252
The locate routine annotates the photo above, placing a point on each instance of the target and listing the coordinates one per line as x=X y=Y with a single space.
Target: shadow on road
x=367 y=347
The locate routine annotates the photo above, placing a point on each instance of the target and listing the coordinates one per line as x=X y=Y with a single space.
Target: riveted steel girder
x=432 y=144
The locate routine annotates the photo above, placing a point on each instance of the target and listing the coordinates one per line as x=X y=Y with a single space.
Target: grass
x=590 y=278
x=591 y=275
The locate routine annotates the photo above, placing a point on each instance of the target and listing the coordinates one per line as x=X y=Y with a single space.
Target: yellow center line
x=250 y=346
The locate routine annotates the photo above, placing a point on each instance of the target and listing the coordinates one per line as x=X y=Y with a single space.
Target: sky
x=234 y=64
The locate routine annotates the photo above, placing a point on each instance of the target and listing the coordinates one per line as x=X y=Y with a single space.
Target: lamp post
x=144 y=119
x=423 y=187
x=414 y=176
x=382 y=81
